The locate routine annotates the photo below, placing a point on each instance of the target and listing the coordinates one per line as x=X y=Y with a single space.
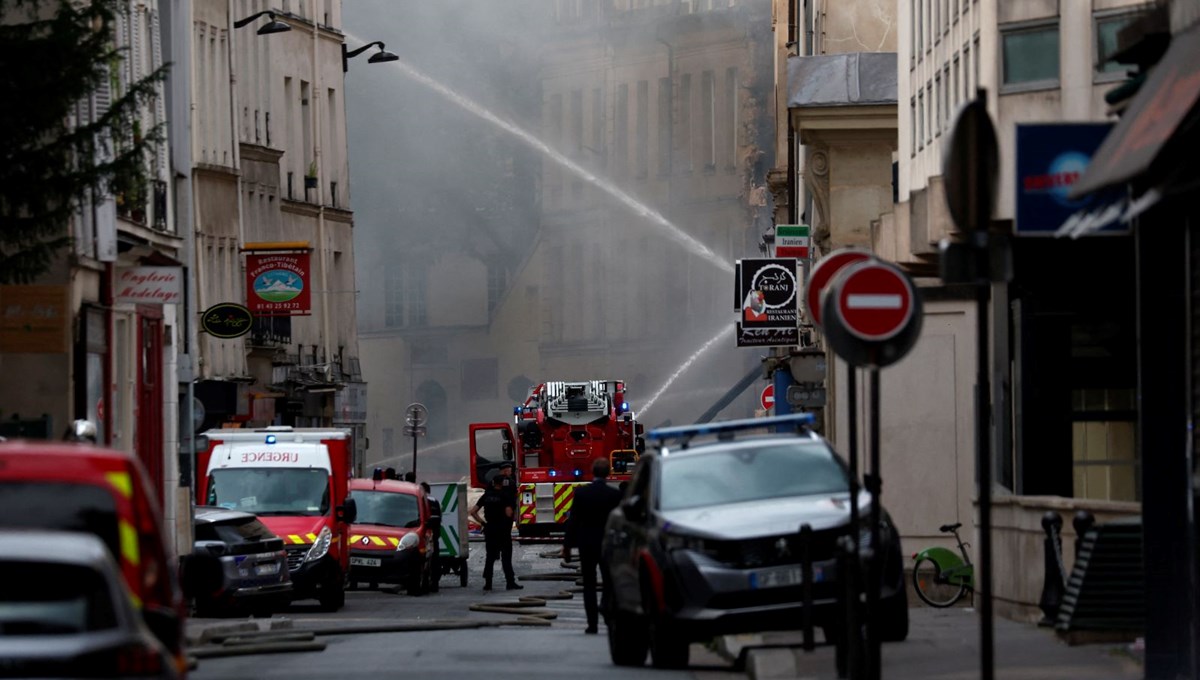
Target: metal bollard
x=1083 y=522
x=806 y=571
x=1052 y=585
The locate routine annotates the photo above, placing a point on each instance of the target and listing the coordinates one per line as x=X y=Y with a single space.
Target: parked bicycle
x=939 y=576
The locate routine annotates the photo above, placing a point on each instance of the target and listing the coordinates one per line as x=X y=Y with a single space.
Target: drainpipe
x=318 y=97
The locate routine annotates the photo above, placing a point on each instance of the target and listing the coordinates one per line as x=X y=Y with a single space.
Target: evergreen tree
x=59 y=143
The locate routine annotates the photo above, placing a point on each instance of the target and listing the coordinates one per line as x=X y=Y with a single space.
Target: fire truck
x=559 y=430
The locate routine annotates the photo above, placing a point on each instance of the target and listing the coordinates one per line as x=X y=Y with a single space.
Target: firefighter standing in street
x=435 y=526
x=498 y=513
x=585 y=532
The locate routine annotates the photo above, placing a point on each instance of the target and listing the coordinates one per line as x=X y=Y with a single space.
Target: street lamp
x=273 y=26
x=379 y=57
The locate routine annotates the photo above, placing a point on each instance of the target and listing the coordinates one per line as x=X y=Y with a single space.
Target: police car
x=707 y=540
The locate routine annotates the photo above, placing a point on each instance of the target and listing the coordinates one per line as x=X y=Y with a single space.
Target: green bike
x=939 y=576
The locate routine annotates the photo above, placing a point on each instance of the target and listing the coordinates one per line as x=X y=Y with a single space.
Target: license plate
x=266 y=569
x=366 y=561
x=776 y=578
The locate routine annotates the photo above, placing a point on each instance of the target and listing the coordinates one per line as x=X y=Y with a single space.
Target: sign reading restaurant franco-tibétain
x=226 y=320
x=277 y=284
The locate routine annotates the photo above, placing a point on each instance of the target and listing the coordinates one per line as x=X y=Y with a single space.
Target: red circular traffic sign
x=822 y=273
x=875 y=301
x=768 y=397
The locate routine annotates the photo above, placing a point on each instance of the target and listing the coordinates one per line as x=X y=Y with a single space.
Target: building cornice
x=220 y=171
x=299 y=207
x=258 y=152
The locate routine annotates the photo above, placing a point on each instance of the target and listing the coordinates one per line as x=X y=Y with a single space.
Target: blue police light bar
x=624 y=406
x=270 y=439
x=516 y=410
x=729 y=426
x=553 y=473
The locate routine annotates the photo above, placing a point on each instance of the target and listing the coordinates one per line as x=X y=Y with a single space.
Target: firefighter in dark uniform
x=435 y=526
x=585 y=532
x=498 y=513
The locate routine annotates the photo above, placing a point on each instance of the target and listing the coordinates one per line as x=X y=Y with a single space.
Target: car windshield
x=40 y=598
x=386 y=509
x=750 y=472
x=53 y=505
x=241 y=530
x=271 y=491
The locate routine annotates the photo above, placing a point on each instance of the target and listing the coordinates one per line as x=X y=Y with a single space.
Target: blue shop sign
x=1051 y=157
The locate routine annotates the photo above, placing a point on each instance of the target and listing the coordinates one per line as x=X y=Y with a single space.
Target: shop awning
x=1152 y=118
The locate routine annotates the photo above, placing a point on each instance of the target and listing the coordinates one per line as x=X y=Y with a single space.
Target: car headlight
x=320 y=547
x=672 y=542
x=407 y=542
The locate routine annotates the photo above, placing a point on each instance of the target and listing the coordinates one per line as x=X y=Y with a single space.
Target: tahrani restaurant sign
x=149 y=285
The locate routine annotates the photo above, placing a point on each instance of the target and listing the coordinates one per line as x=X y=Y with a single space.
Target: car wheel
x=627 y=643
x=668 y=649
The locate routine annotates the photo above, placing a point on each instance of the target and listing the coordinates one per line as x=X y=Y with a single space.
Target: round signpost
x=871 y=313
x=767 y=399
x=822 y=273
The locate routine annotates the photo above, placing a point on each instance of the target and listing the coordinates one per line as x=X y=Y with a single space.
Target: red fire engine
x=560 y=429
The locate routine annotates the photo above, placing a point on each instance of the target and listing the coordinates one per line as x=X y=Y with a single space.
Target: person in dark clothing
x=498 y=512
x=435 y=526
x=508 y=482
x=585 y=532
x=390 y=473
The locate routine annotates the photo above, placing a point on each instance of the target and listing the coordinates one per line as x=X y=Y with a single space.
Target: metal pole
x=983 y=459
x=875 y=487
x=853 y=631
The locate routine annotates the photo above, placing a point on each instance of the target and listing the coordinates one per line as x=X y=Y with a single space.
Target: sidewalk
x=943 y=644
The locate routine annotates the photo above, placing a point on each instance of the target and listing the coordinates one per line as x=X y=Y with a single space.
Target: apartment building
x=271 y=197
x=97 y=337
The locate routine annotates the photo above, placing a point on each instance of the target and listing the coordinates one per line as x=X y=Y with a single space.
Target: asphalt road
x=560 y=650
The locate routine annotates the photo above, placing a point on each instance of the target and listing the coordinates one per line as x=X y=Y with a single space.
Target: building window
x=577 y=122
x=920 y=27
x=643 y=128
x=957 y=92
x=685 y=122
x=937 y=105
x=598 y=123
x=664 y=126
x=497 y=283
x=921 y=121
x=1030 y=57
x=555 y=117
x=621 y=135
x=967 y=72
x=393 y=297
x=936 y=21
x=915 y=48
x=708 y=119
x=1104 y=449
x=929 y=113
x=912 y=130
x=947 y=111
x=1107 y=27
x=731 y=108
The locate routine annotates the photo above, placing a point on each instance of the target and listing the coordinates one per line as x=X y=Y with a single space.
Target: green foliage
x=54 y=152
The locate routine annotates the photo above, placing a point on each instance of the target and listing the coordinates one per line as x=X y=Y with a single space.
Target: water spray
x=683 y=367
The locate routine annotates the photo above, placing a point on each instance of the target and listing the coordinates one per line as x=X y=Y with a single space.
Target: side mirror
x=507 y=451
x=348 y=512
x=200 y=575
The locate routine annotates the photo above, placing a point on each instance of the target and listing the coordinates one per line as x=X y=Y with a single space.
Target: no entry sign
x=875 y=301
x=871 y=313
x=823 y=273
x=768 y=397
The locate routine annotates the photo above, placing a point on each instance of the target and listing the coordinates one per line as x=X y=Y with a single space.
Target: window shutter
x=105 y=206
x=160 y=102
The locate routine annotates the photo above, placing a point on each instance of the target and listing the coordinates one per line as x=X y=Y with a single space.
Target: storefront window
x=1104 y=445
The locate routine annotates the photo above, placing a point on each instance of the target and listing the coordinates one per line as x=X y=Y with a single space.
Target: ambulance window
x=56 y=505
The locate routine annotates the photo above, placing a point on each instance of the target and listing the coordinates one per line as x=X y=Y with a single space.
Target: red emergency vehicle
x=392 y=539
x=296 y=480
x=79 y=487
x=560 y=429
